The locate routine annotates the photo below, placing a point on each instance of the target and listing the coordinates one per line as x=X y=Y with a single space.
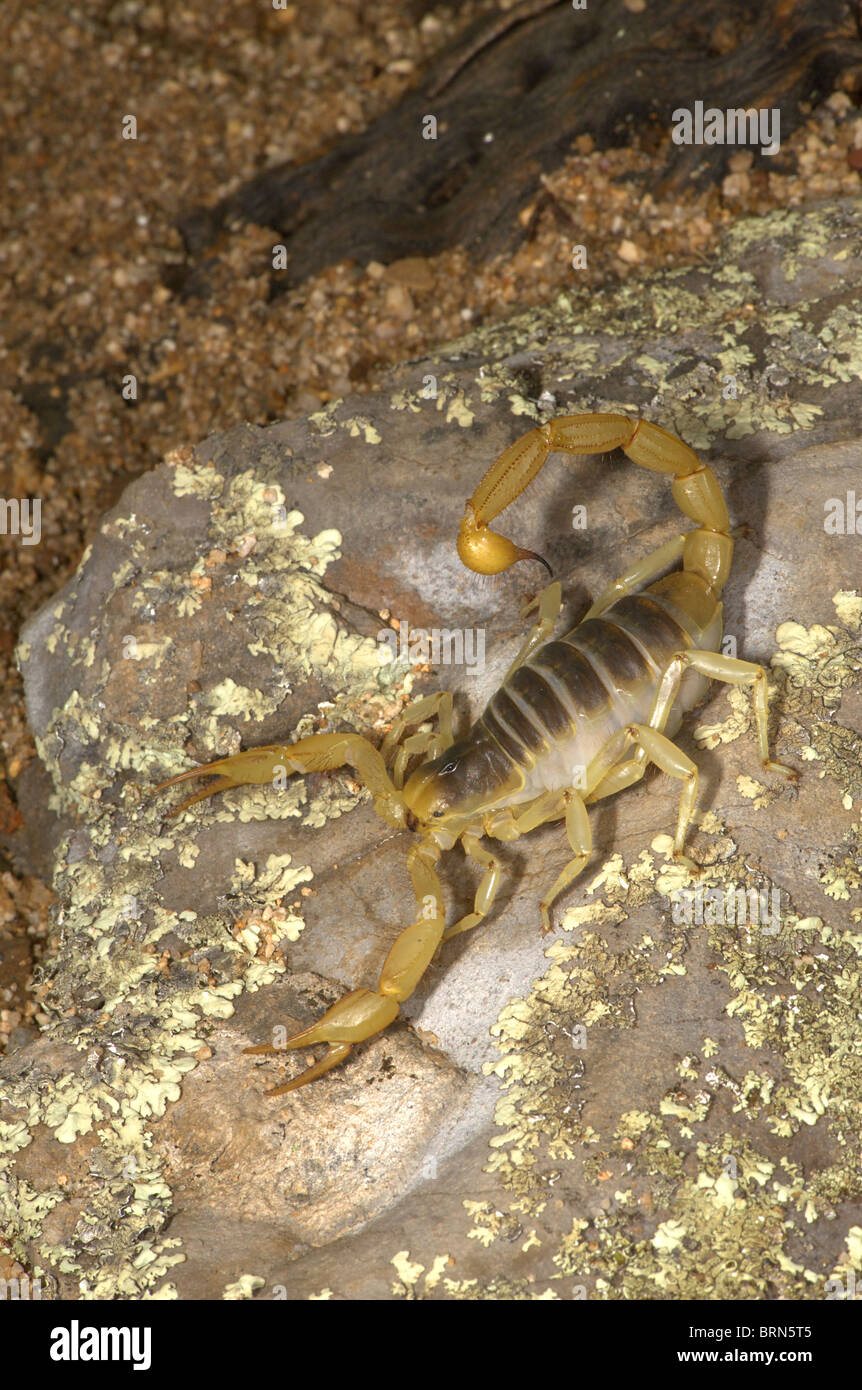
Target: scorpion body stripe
x=637 y=614
x=502 y=735
x=669 y=637
x=613 y=655
x=612 y=684
x=532 y=714
x=520 y=724
x=585 y=695
x=684 y=601
x=556 y=684
x=654 y=658
x=651 y=625
x=690 y=629
x=533 y=689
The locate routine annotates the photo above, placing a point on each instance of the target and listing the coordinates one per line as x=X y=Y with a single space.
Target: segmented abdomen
x=553 y=715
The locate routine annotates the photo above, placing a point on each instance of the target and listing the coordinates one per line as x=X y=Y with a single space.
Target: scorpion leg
x=426 y=707
x=645 y=570
x=607 y=774
x=717 y=667
x=363 y=1012
x=509 y=823
x=506 y=825
x=581 y=841
x=548 y=603
x=417 y=713
x=624 y=775
x=659 y=749
x=734 y=672
x=485 y=893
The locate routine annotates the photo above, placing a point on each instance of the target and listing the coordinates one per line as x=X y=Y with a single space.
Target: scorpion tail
x=707 y=551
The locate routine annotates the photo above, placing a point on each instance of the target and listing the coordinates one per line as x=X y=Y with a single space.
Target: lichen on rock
x=657 y=1109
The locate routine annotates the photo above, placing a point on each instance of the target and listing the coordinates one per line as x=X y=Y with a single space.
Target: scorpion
x=575 y=720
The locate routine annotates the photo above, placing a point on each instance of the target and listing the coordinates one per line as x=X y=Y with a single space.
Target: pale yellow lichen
x=848 y=606
x=242 y=1288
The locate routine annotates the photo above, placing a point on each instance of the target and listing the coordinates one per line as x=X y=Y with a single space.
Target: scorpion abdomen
x=557 y=710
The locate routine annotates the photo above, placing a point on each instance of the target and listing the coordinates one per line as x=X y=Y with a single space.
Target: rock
x=398 y=301
x=641 y=1106
x=414 y=272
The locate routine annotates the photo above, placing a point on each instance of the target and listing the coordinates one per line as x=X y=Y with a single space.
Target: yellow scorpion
x=575 y=719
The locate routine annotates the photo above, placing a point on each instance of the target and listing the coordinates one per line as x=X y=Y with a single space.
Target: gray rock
x=639 y=1107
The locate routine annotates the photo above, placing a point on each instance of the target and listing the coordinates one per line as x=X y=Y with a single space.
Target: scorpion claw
x=335 y=1053
x=222 y=785
x=359 y=1015
x=258 y=765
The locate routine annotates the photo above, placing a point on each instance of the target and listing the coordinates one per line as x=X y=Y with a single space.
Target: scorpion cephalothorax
x=575 y=719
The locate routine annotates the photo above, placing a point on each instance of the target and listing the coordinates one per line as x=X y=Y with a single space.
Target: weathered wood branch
x=511 y=96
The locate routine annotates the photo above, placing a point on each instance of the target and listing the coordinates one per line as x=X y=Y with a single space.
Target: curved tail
x=707 y=551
